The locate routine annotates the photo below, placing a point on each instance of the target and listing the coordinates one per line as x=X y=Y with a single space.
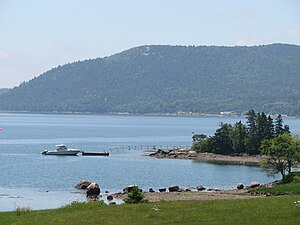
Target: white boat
x=61 y=150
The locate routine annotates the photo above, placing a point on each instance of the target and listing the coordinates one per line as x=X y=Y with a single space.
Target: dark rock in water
x=160 y=153
x=254 y=184
x=93 y=190
x=188 y=189
x=151 y=190
x=129 y=188
x=173 y=188
x=214 y=189
x=82 y=184
x=106 y=192
x=240 y=186
x=110 y=197
x=200 y=188
x=162 y=189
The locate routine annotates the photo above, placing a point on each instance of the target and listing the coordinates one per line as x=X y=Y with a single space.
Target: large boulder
x=160 y=153
x=162 y=190
x=82 y=184
x=173 y=188
x=240 y=186
x=254 y=184
x=93 y=190
x=110 y=197
x=151 y=190
x=129 y=188
x=192 y=154
x=200 y=188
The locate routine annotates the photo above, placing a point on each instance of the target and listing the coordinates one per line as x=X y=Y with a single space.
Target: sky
x=37 y=35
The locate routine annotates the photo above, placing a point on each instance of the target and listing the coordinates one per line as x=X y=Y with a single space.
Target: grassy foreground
x=271 y=210
x=287 y=189
x=290 y=186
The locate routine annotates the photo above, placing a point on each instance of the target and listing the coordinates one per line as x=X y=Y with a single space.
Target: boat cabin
x=60 y=147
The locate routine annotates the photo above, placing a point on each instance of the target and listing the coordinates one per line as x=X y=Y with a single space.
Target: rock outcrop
x=151 y=190
x=162 y=190
x=93 y=190
x=82 y=184
x=129 y=188
x=240 y=186
x=109 y=197
x=254 y=184
x=200 y=188
x=175 y=153
x=174 y=188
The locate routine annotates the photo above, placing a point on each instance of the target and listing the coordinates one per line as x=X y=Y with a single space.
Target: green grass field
x=287 y=189
x=291 y=187
x=271 y=210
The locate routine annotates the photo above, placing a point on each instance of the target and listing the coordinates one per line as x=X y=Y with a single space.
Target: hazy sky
x=37 y=35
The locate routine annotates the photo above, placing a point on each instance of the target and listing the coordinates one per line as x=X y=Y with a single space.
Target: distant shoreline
x=179 y=114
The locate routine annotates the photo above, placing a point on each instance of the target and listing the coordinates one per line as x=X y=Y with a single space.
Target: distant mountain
x=169 y=79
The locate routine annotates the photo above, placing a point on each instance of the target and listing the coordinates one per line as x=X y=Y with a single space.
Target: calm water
x=26 y=174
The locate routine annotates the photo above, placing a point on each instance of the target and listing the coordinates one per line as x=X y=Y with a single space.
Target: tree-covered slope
x=166 y=79
x=3 y=90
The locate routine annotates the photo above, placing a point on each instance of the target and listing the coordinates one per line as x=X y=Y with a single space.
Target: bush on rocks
x=135 y=196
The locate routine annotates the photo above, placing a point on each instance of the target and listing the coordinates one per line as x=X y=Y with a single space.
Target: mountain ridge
x=169 y=79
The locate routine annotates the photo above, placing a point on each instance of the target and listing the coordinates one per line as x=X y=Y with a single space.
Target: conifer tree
x=252 y=139
x=279 y=125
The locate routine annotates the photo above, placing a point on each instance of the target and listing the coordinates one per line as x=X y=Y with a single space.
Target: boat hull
x=61 y=153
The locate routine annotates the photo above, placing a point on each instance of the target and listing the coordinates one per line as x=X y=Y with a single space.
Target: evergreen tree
x=241 y=138
x=221 y=141
x=279 y=125
x=135 y=196
x=270 y=128
x=265 y=127
x=252 y=142
x=238 y=137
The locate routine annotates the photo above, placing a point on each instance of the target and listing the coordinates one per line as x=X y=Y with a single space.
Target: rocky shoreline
x=175 y=193
x=207 y=157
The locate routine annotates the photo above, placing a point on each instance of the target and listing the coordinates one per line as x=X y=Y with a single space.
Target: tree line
x=241 y=138
x=260 y=135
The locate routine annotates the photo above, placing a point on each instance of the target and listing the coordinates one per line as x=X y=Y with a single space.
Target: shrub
x=22 y=209
x=136 y=196
x=292 y=177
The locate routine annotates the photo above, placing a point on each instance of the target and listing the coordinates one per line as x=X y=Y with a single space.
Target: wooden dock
x=95 y=153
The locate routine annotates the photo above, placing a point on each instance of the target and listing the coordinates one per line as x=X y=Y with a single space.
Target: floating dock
x=95 y=153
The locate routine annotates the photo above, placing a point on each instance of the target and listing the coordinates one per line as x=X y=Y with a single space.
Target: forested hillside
x=3 y=90
x=169 y=79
